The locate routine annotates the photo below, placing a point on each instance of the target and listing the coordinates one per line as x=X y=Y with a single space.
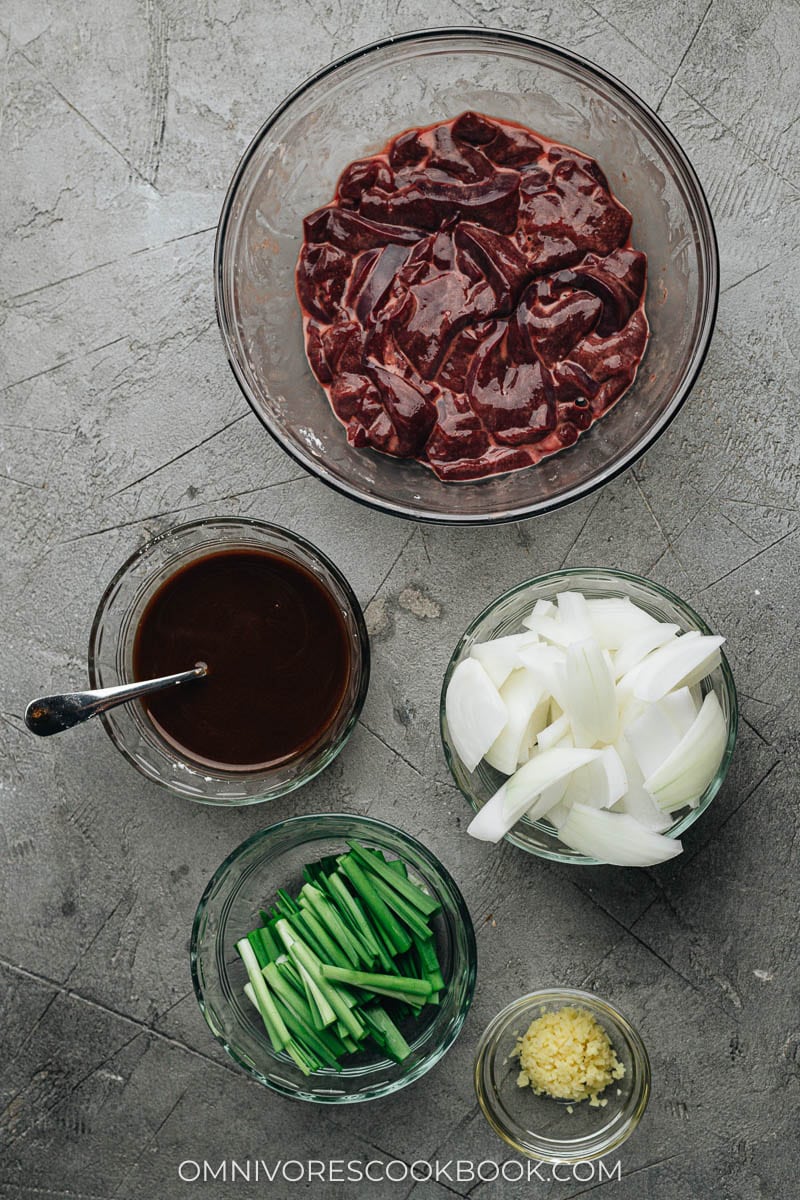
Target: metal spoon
x=52 y=714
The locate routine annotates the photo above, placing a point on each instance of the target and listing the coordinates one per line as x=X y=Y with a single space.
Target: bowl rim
x=594 y=1003
x=691 y=180
x=575 y=858
x=377 y=826
x=265 y=794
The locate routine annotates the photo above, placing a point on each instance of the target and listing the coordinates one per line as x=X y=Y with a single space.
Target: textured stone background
x=123 y=121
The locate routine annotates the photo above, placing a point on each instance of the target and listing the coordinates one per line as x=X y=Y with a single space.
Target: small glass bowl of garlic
x=541 y=1121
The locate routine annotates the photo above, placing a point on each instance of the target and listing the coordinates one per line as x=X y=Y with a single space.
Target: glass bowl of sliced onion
x=589 y=716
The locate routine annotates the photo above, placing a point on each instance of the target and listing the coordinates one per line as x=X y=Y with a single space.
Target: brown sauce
x=277 y=651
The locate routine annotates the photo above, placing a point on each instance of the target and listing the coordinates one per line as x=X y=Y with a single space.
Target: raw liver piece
x=470 y=297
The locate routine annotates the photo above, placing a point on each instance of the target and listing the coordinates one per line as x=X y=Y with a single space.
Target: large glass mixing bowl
x=352 y=108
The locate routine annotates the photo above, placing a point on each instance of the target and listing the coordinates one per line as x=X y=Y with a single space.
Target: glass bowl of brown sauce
x=284 y=640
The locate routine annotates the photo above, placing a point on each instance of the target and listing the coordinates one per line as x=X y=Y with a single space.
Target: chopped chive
x=271 y=947
x=305 y=958
x=254 y=938
x=409 y=915
x=276 y=1030
x=321 y=1010
x=364 y=979
x=350 y=910
x=306 y=934
x=287 y=994
x=311 y=872
x=429 y=961
x=327 y=915
x=290 y=973
x=388 y=948
x=301 y=1032
x=308 y=1038
x=329 y=951
x=303 y=1057
x=315 y=995
x=395 y=1044
x=284 y=904
x=298 y=1003
x=305 y=1062
x=367 y=928
x=395 y=935
x=410 y=891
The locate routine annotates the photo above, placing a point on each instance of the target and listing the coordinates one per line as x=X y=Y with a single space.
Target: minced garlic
x=567 y=1055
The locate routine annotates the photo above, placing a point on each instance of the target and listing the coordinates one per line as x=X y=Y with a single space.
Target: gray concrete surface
x=122 y=123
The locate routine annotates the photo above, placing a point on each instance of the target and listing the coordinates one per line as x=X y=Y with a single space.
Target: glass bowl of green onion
x=333 y=957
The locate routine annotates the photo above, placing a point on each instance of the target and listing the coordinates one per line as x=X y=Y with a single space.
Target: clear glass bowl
x=247 y=881
x=352 y=108
x=111 y=660
x=504 y=615
x=539 y=1126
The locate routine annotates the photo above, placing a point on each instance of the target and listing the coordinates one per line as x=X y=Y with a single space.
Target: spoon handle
x=52 y=714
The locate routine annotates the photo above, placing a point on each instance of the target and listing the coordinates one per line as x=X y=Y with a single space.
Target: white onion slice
x=542 y=608
x=639 y=645
x=555 y=631
x=680 y=708
x=549 y=798
x=517 y=794
x=590 y=692
x=474 y=710
x=521 y=693
x=599 y=784
x=652 y=737
x=499 y=658
x=608 y=778
x=539 y=656
x=543 y=770
x=615 y=619
x=552 y=734
x=630 y=709
x=627 y=684
x=637 y=802
x=682 y=662
x=538 y=720
x=615 y=838
x=573 y=611
x=686 y=773
x=558 y=815
x=554 y=794
x=703 y=670
x=577 y=789
x=547 y=663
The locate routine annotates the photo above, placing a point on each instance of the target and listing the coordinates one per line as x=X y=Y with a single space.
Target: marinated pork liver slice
x=471 y=298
